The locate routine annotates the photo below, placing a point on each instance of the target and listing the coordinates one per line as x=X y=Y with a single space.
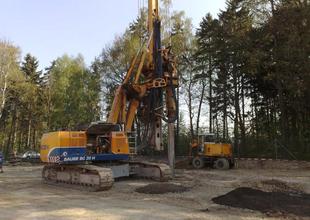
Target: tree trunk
x=200 y=106
x=210 y=97
x=9 y=148
x=29 y=133
x=242 y=118
x=191 y=114
x=34 y=144
x=20 y=137
x=190 y=108
x=225 y=106
x=14 y=130
x=237 y=111
x=3 y=99
x=178 y=118
x=217 y=128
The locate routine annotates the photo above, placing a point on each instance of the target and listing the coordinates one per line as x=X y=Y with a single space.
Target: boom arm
x=157 y=65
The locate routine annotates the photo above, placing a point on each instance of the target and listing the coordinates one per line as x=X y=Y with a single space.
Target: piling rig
x=93 y=158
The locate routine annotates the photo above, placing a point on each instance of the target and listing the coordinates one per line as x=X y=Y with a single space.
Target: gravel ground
x=23 y=196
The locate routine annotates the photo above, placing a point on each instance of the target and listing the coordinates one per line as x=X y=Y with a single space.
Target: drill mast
x=151 y=79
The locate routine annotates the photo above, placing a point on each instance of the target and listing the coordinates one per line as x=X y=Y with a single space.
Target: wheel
x=198 y=163
x=232 y=164
x=221 y=164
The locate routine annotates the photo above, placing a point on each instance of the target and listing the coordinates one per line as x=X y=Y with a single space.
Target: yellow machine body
x=69 y=146
x=208 y=146
x=217 y=150
x=206 y=150
x=119 y=143
x=60 y=140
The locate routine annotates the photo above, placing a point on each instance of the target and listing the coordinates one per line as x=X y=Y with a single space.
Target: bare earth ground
x=23 y=196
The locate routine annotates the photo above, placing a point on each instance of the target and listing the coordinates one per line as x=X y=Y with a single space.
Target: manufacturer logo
x=54 y=159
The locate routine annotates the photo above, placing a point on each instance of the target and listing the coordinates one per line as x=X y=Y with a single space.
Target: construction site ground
x=190 y=195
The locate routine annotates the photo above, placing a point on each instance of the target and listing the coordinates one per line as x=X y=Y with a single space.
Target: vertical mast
x=156 y=66
x=153 y=15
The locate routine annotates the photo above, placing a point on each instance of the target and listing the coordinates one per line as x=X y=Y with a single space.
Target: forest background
x=244 y=76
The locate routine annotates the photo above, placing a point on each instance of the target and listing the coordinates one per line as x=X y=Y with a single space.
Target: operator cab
x=209 y=138
x=99 y=137
x=203 y=139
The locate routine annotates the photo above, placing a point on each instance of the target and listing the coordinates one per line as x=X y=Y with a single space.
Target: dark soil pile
x=277 y=203
x=274 y=185
x=162 y=188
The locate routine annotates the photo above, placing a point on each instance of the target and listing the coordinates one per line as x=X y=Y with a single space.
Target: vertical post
x=157 y=66
x=153 y=14
x=171 y=146
x=158 y=139
x=276 y=150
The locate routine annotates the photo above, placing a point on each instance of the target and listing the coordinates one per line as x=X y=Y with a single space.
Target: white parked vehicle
x=31 y=155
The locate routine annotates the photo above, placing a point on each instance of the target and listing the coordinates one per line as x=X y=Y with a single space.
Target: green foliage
x=259 y=54
x=66 y=96
x=183 y=139
x=29 y=68
x=9 y=70
x=249 y=69
x=22 y=113
x=74 y=92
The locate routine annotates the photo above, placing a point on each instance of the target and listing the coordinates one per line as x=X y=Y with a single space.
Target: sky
x=50 y=28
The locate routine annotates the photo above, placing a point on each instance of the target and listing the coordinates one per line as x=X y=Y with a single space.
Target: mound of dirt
x=270 y=203
x=274 y=185
x=162 y=188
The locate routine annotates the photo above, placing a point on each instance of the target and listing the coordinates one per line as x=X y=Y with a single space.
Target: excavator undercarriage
x=86 y=177
x=100 y=177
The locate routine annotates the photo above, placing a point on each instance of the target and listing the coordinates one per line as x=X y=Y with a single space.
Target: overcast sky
x=49 y=28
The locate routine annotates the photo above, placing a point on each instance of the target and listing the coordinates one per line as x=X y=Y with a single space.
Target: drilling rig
x=145 y=89
x=95 y=157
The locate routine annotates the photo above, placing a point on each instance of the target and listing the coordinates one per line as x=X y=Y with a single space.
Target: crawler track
x=84 y=177
x=98 y=178
x=156 y=171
